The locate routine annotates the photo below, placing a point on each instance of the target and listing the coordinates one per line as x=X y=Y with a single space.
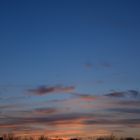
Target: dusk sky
x=70 y=67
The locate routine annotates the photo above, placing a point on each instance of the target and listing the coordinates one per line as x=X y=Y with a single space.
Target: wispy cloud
x=13 y=98
x=99 y=65
x=9 y=106
x=94 y=110
x=126 y=122
x=106 y=65
x=88 y=65
x=45 y=111
x=74 y=118
x=56 y=89
x=128 y=103
x=127 y=94
x=125 y=110
x=85 y=97
x=47 y=120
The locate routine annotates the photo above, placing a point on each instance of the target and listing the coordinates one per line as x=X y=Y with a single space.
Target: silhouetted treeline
x=112 y=137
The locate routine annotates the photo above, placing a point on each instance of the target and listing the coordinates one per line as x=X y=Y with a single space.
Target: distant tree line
x=112 y=137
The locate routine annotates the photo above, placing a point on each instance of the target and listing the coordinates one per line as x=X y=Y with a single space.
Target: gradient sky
x=70 y=67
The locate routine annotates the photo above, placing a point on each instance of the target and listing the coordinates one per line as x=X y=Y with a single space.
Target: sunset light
x=69 y=69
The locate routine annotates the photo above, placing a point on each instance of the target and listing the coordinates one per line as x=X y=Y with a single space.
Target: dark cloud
x=127 y=122
x=134 y=93
x=127 y=94
x=66 y=119
x=115 y=94
x=26 y=128
x=8 y=106
x=125 y=110
x=46 y=90
x=45 y=111
x=49 y=120
x=128 y=103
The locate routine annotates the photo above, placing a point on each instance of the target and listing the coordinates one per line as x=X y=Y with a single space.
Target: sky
x=70 y=68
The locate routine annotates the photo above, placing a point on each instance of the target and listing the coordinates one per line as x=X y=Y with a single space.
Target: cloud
x=128 y=103
x=134 y=93
x=74 y=110
x=45 y=111
x=9 y=106
x=37 y=112
x=85 y=97
x=88 y=65
x=99 y=65
x=125 y=110
x=63 y=121
x=127 y=122
x=13 y=98
x=106 y=65
x=46 y=90
x=47 y=120
x=115 y=94
x=51 y=120
x=126 y=94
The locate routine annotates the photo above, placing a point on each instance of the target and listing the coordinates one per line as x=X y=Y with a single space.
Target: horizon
x=43 y=137
x=70 y=68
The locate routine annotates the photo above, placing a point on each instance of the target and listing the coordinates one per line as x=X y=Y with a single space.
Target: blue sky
x=61 y=50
